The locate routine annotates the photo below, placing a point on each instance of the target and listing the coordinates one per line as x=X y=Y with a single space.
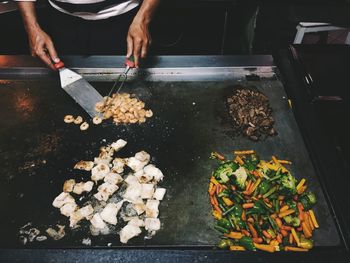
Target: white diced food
x=159 y=193
x=152 y=224
x=118 y=165
x=143 y=157
x=84 y=165
x=78 y=188
x=107 y=160
x=136 y=222
x=62 y=199
x=113 y=178
x=109 y=213
x=97 y=222
x=142 y=177
x=154 y=172
x=88 y=186
x=129 y=231
x=139 y=207
x=68 y=209
x=152 y=208
x=84 y=212
x=118 y=144
x=68 y=185
x=147 y=191
x=133 y=191
x=99 y=172
x=135 y=164
x=105 y=190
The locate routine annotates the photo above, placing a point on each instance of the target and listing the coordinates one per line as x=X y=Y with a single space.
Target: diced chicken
x=98 y=160
x=88 y=186
x=68 y=209
x=129 y=231
x=133 y=191
x=147 y=191
x=106 y=152
x=135 y=164
x=83 y=187
x=97 y=222
x=159 y=193
x=136 y=222
x=131 y=179
x=84 y=212
x=109 y=213
x=113 y=178
x=118 y=144
x=143 y=157
x=62 y=199
x=139 y=207
x=118 y=165
x=152 y=224
x=142 y=177
x=151 y=170
x=105 y=190
x=68 y=185
x=84 y=165
x=56 y=235
x=99 y=172
x=152 y=208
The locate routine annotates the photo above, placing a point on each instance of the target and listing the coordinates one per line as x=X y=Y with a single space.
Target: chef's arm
x=39 y=42
x=139 y=38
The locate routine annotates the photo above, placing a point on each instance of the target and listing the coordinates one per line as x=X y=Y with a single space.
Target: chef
x=82 y=26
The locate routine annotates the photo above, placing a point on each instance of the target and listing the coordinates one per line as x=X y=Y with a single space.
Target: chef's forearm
x=147 y=9
x=27 y=10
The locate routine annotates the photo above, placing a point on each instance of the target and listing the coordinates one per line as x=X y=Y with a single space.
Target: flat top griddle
x=38 y=151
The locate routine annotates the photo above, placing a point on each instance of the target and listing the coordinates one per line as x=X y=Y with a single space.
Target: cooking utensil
x=79 y=89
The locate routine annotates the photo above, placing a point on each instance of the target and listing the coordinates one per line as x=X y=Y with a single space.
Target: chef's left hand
x=138 y=40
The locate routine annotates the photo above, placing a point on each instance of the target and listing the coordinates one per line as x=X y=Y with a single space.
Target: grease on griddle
x=251 y=113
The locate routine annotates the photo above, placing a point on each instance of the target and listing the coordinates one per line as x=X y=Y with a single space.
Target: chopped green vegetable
x=287 y=185
x=225 y=243
x=264 y=187
x=241 y=177
x=224 y=171
x=308 y=200
x=292 y=220
x=247 y=243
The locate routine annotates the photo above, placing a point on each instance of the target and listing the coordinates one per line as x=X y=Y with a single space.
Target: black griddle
x=38 y=151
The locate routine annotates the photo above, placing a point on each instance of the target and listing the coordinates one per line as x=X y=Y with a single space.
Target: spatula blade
x=80 y=90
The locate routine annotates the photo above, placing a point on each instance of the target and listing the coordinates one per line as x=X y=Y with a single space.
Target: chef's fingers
x=137 y=51
x=144 y=49
x=129 y=42
x=52 y=51
x=45 y=58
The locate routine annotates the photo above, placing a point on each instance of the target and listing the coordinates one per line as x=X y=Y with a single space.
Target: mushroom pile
x=125 y=196
x=251 y=113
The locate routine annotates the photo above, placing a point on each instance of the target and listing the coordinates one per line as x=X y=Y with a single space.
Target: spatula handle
x=130 y=62
x=59 y=65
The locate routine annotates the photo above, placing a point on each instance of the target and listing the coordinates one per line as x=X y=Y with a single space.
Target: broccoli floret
x=308 y=200
x=287 y=184
x=251 y=162
x=293 y=221
x=241 y=177
x=224 y=171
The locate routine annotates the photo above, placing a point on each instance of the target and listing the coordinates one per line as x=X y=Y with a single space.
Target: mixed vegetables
x=260 y=205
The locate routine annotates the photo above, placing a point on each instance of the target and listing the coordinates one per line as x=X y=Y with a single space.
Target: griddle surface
x=38 y=151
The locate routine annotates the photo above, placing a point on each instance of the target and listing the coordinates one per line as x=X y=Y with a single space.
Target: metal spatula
x=79 y=89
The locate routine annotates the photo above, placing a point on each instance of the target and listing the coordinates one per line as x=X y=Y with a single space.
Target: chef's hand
x=138 y=40
x=41 y=46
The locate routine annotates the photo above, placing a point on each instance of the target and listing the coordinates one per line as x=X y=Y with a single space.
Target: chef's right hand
x=41 y=46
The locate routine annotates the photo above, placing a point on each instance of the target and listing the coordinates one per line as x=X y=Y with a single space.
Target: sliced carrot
x=274 y=159
x=258 y=240
x=291 y=238
x=212 y=190
x=234 y=235
x=252 y=230
x=250 y=220
x=233 y=188
x=279 y=222
x=274 y=242
x=313 y=219
x=284 y=162
x=244 y=218
x=300 y=228
x=302 y=189
x=279 y=238
x=239 y=160
x=286 y=213
x=284 y=208
x=227 y=201
x=266 y=248
x=287 y=228
x=216 y=208
x=300 y=184
x=300 y=210
x=255 y=185
x=296 y=249
x=306 y=230
x=237 y=248
x=244 y=152
x=284 y=232
x=246 y=233
x=248 y=185
x=215 y=201
x=213 y=180
x=217 y=215
x=281 y=197
x=218 y=189
x=248 y=205
x=295 y=236
x=267 y=235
